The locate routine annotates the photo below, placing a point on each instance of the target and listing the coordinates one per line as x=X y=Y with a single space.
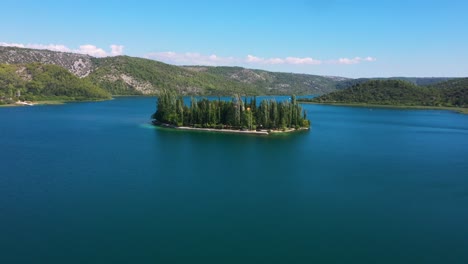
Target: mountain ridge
x=125 y=75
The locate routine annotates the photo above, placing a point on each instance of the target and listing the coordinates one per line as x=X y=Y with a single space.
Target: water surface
x=94 y=183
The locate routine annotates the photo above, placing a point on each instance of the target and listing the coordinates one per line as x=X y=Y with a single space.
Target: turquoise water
x=94 y=183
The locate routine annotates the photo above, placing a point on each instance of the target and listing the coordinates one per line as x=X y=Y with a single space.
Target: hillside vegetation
x=128 y=75
x=401 y=93
x=414 y=80
x=274 y=82
x=123 y=75
x=43 y=82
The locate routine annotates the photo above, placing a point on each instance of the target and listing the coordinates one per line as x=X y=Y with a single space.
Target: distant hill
x=37 y=81
x=123 y=75
x=401 y=93
x=454 y=91
x=78 y=64
x=129 y=75
x=274 y=82
x=421 y=81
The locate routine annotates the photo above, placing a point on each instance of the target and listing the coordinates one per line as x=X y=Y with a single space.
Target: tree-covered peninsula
x=448 y=94
x=42 y=82
x=234 y=115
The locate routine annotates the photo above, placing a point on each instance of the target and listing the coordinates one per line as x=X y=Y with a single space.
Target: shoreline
x=49 y=102
x=414 y=107
x=263 y=132
x=34 y=103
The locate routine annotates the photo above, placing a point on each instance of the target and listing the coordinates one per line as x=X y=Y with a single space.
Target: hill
x=78 y=64
x=274 y=82
x=454 y=91
x=36 y=81
x=401 y=93
x=129 y=75
x=421 y=81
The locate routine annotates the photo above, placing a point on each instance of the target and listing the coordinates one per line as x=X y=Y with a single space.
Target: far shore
x=33 y=103
x=420 y=107
x=235 y=131
x=48 y=102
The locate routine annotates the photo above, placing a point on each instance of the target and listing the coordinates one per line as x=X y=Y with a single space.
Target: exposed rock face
x=78 y=64
x=143 y=87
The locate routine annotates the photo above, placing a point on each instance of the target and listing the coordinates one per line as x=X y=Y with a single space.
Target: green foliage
x=234 y=114
x=272 y=82
x=38 y=82
x=401 y=93
x=128 y=75
x=414 y=80
x=454 y=92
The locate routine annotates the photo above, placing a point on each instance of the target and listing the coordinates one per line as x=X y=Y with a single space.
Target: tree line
x=36 y=81
x=396 y=92
x=238 y=113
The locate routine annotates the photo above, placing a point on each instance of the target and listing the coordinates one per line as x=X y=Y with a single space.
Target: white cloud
x=4 y=44
x=191 y=58
x=354 y=60
x=83 y=49
x=91 y=50
x=294 y=60
x=116 y=50
x=254 y=59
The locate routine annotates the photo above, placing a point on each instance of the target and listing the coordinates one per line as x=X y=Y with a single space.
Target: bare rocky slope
x=78 y=64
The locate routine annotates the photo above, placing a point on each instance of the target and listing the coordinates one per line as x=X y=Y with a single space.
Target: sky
x=324 y=37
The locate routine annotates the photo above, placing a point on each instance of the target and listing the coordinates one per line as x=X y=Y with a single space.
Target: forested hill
x=422 y=81
x=44 y=82
x=123 y=75
x=401 y=93
x=130 y=75
x=454 y=91
x=274 y=82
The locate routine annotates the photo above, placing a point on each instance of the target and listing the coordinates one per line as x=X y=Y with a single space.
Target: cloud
x=83 y=49
x=116 y=50
x=294 y=60
x=355 y=60
x=191 y=58
x=268 y=61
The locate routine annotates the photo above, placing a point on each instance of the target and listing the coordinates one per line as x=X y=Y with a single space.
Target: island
x=448 y=95
x=239 y=115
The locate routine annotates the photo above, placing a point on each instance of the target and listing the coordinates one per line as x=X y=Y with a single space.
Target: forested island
x=237 y=115
x=451 y=94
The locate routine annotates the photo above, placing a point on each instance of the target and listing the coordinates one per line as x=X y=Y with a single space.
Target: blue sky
x=341 y=37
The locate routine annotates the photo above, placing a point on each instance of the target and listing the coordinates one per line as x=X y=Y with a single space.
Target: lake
x=95 y=183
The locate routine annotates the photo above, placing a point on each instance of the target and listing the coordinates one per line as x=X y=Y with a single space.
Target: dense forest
x=423 y=81
x=235 y=114
x=42 y=82
x=452 y=93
